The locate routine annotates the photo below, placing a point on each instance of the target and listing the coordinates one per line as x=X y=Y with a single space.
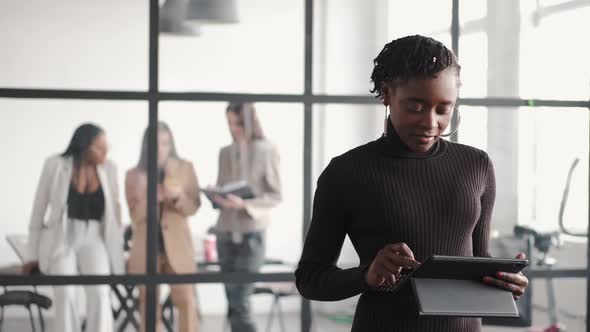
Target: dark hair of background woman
x=81 y=141
x=143 y=157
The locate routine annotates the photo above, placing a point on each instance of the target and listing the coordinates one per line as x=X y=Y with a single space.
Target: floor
x=292 y=324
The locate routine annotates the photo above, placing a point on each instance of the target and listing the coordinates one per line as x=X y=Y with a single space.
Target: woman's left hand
x=236 y=202
x=514 y=282
x=230 y=202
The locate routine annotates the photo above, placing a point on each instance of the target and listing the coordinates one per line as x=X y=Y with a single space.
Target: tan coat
x=260 y=168
x=175 y=230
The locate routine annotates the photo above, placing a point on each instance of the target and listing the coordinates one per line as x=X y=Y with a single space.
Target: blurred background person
x=178 y=198
x=75 y=227
x=242 y=223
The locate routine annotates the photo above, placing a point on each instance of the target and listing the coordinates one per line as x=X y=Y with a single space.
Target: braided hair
x=411 y=57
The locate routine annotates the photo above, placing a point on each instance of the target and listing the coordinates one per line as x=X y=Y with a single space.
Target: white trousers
x=86 y=254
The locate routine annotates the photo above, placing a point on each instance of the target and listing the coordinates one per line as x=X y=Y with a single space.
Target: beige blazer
x=175 y=229
x=48 y=224
x=260 y=168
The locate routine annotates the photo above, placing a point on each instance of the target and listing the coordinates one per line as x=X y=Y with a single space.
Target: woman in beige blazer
x=242 y=222
x=75 y=228
x=178 y=198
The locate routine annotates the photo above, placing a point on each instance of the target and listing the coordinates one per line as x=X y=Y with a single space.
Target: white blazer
x=48 y=225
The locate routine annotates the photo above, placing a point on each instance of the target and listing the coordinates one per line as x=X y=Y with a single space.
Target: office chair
x=26 y=299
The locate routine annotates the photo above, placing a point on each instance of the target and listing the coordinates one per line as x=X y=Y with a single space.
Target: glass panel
x=200 y=131
x=339 y=128
x=349 y=34
x=211 y=306
x=546 y=142
x=261 y=53
x=472 y=129
x=570 y=77
x=402 y=19
x=503 y=49
x=473 y=48
x=70 y=44
x=551 y=140
x=34 y=130
x=570 y=306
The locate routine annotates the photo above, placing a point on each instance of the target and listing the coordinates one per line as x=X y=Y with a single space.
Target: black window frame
x=153 y=96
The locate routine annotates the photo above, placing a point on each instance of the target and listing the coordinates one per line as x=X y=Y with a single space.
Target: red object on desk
x=210 y=246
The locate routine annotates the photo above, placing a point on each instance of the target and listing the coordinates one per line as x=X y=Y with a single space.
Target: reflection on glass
x=178 y=198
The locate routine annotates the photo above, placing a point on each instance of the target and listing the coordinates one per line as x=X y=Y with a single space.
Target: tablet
x=453 y=286
x=467 y=268
x=458 y=268
x=462 y=298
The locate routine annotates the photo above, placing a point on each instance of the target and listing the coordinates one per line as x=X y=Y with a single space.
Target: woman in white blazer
x=75 y=227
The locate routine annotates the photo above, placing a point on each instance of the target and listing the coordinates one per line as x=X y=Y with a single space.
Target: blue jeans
x=247 y=256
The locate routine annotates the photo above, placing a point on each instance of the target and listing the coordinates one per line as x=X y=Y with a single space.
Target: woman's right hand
x=29 y=267
x=388 y=264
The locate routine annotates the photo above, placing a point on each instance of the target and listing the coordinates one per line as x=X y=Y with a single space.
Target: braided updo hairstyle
x=411 y=57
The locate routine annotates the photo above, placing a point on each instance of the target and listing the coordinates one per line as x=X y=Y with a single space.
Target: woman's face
x=97 y=151
x=164 y=146
x=421 y=109
x=236 y=127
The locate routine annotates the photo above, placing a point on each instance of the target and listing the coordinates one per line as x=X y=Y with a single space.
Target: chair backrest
x=564 y=199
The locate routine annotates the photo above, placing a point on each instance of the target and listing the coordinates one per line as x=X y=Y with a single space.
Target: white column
x=349 y=34
x=503 y=81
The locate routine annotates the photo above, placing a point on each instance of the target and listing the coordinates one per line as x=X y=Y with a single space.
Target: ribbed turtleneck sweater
x=439 y=202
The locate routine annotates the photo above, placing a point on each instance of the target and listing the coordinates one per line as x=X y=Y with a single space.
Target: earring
x=385 y=123
x=456 y=125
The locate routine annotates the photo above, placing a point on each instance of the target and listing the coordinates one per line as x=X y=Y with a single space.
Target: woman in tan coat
x=178 y=198
x=242 y=222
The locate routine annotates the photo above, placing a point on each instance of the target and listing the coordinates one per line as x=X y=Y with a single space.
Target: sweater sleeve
x=481 y=233
x=317 y=276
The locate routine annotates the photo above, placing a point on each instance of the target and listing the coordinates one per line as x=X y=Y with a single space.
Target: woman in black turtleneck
x=404 y=197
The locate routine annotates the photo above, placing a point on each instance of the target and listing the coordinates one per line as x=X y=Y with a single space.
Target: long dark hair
x=81 y=141
x=246 y=112
x=143 y=157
